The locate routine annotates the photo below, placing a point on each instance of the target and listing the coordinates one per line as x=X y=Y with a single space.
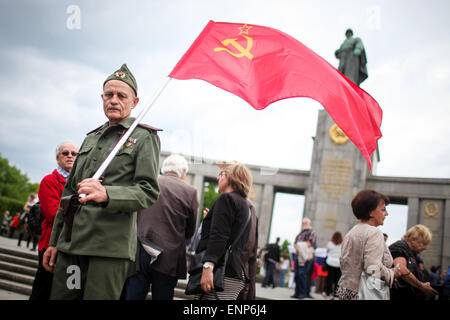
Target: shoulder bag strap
x=364 y=247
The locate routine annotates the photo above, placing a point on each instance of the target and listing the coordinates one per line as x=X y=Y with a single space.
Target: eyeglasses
x=66 y=153
x=221 y=174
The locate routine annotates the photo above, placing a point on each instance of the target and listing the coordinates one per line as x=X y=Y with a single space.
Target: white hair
x=306 y=220
x=58 y=148
x=175 y=163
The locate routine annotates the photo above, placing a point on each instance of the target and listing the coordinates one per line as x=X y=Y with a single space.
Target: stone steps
x=16 y=287
x=19 y=261
x=18 y=268
x=19 y=278
x=19 y=253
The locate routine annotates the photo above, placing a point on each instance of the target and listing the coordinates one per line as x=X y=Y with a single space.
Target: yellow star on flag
x=244 y=29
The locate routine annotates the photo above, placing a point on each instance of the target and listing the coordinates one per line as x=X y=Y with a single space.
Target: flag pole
x=124 y=138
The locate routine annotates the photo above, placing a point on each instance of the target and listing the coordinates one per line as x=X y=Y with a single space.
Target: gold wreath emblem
x=431 y=209
x=337 y=135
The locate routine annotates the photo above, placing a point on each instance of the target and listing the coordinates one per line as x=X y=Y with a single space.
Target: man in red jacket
x=50 y=191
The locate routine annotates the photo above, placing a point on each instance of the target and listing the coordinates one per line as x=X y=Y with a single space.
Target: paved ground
x=7 y=295
x=12 y=244
x=270 y=293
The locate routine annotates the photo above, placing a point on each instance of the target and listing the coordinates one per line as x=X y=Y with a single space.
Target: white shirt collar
x=62 y=172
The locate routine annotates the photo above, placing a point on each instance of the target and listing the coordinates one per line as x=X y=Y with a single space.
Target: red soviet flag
x=263 y=65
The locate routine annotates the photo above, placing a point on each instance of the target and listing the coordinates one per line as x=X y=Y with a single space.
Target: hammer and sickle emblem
x=244 y=52
x=337 y=135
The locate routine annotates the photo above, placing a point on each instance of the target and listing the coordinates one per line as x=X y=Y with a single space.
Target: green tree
x=15 y=187
x=284 y=247
x=210 y=195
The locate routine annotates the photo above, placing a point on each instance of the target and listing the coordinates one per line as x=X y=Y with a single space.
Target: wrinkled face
x=223 y=181
x=379 y=214
x=416 y=245
x=118 y=101
x=66 y=156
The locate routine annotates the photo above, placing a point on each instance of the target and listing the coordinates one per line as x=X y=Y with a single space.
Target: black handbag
x=196 y=268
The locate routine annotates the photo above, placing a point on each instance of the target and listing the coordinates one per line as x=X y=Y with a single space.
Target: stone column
x=445 y=260
x=413 y=212
x=338 y=172
x=198 y=183
x=265 y=216
x=432 y=213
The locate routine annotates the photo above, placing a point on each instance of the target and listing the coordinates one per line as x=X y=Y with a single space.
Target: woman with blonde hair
x=222 y=226
x=411 y=285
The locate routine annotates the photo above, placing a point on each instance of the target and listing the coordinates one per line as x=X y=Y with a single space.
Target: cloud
x=45 y=101
x=411 y=90
x=52 y=76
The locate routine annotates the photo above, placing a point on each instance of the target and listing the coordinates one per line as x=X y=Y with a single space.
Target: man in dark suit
x=162 y=233
x=272 y=257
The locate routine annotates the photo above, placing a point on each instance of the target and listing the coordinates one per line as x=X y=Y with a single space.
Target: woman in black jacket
x=412 y=285
x=221 y=227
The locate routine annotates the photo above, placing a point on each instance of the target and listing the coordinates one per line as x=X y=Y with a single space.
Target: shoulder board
x=93 y=130
x=149 y=128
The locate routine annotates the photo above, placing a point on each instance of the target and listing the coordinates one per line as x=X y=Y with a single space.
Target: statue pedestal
x=338 y=172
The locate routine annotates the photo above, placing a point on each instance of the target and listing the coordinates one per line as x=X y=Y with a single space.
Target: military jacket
x=109 y=229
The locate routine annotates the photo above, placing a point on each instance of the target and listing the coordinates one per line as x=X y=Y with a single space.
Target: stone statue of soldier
x=352 y=58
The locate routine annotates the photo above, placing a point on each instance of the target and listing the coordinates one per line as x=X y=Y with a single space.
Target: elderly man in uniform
x=92 y=261
x=166 y=225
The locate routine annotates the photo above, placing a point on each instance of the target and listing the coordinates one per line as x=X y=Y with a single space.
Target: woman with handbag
x=366 y=263
x=227 y=223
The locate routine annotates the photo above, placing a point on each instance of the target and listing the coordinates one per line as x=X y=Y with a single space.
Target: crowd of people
x=19 y=222
x=395 y=272
x=126 y=232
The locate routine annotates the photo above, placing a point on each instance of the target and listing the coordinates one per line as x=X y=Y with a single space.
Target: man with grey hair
x=162 y=233
x=303 y=272
x=50 y=191
x=93 y=240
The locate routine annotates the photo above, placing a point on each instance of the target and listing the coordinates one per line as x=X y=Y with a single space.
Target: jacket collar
x=125 y=124
x=171 y=174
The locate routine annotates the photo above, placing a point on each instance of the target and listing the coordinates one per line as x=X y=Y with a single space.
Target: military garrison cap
x=125 y=75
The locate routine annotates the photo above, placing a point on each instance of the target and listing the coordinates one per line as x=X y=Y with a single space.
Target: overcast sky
x=55 y=56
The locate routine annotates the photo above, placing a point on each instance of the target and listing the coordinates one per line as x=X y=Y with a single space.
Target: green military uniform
x=131 y=183
x=103 y=240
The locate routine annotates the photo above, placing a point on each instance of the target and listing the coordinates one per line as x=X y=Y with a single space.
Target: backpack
x=35 y=219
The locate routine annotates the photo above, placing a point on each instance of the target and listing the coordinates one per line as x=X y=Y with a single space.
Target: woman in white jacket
x=332 y=263
x=369 y=207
